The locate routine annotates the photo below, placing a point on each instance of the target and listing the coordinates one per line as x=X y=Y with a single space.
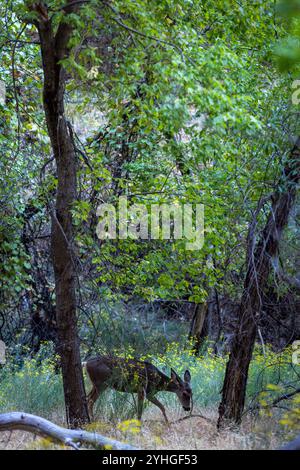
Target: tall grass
x=33 y=387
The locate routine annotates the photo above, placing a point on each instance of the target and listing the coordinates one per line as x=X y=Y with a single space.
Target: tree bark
x=196 y=329
x=54 y=48
x=43 y=427
x=259 y=264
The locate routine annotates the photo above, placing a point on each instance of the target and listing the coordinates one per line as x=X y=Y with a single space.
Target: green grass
x=33 y=388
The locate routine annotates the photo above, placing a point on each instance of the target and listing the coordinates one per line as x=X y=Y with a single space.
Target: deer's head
x=182 y=388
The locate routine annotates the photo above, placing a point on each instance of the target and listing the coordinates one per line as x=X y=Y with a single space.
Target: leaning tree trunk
x=54 y=48
x=259 y=264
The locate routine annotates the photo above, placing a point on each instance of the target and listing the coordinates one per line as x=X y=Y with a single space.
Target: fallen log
x=293 y=445
x=70 y=437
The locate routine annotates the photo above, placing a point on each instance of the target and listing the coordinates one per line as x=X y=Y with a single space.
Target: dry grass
x=193 y=433
x=16 y=440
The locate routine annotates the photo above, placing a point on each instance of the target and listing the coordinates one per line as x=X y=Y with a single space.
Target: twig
x=285 y=396
x=119 y=21
x=194 y=416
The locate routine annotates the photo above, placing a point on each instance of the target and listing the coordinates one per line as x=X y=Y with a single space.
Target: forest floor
x=193 y=433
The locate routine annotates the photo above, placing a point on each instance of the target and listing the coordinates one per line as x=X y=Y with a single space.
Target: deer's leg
x=140 y=404
x=91 y=398
x=156 y=402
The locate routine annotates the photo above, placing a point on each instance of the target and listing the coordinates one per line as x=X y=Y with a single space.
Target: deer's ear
x=187 y=376
x=174 y=376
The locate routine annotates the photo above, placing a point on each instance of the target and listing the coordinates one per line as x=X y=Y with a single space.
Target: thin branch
x=194 y=416
x=71 y=4
x=119 y=21
x=285 y=396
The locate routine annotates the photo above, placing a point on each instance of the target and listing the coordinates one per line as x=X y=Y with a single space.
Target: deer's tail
x=83 y=364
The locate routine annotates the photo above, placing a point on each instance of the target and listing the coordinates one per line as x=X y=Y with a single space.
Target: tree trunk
x=259 y=264
x=196 y=329
x=54 y=49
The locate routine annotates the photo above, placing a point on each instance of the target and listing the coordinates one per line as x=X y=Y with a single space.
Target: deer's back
x=124 y=375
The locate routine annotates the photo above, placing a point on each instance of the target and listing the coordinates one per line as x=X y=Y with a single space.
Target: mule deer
x=133 y=376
